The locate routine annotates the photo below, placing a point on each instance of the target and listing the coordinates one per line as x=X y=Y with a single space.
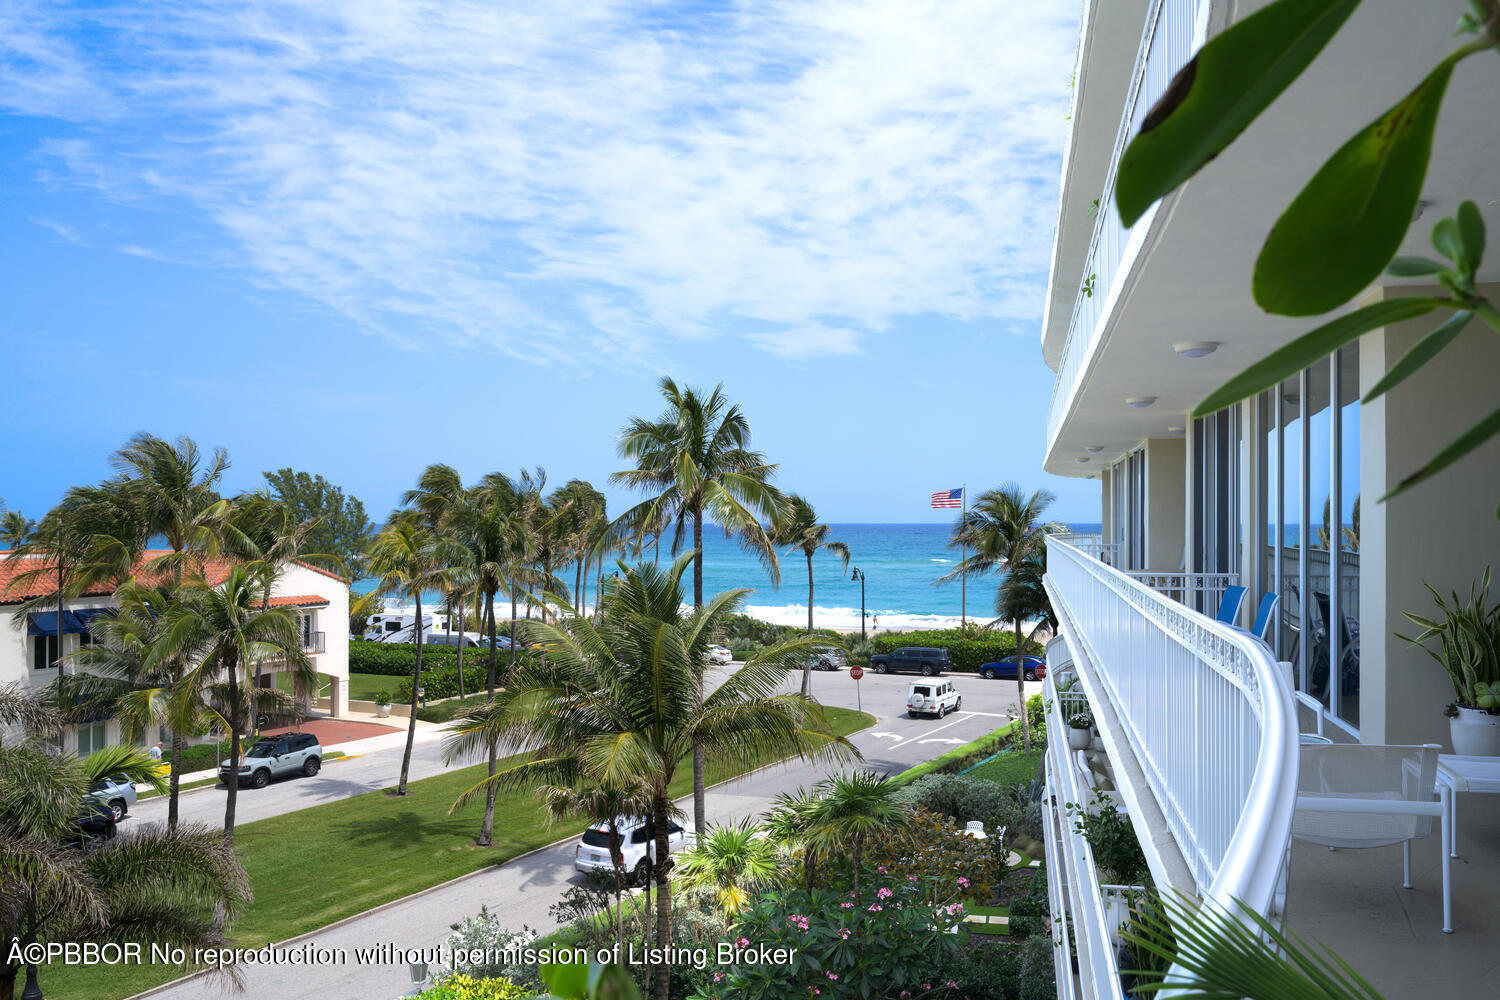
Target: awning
x=86 y=616
x=45 y=623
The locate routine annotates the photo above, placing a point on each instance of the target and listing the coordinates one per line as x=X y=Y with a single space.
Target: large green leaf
x=1311 y=347
x=1337 y=235
x=1461 y=446
x=1471 y=228
x=1425 y=350
x=1221 y=90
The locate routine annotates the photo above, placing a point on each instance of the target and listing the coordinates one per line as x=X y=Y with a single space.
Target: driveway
x=523 y=889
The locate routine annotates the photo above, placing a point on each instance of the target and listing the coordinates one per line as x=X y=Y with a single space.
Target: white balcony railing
x=1205 y=711
x=1199 y=591
x=1096 y=546
x=1174 y=31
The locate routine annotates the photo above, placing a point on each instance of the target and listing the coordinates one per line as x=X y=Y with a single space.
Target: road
x=524 y=889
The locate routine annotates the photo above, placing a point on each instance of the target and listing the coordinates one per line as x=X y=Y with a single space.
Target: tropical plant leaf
x=1414 y=267
x=1221 y=90
x=1471 y=228
x=1310 y=347
x=1347 y=223
x=1461 y=446
x=1425 y=350
x=1447 y=240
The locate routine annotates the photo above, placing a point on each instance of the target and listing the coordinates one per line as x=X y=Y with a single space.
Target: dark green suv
x=925 y=660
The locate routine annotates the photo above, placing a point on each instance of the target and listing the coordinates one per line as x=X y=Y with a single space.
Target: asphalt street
x=525 y=888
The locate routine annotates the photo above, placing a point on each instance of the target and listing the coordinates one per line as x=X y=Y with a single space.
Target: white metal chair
x=1368 y=795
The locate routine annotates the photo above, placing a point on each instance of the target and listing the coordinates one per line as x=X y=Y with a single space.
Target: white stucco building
x=1198 y=724
x=29 y=642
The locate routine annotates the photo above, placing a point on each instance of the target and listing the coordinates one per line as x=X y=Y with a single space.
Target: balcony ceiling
x=1192 y=281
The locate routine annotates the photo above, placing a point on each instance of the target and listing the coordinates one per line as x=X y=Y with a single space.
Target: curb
x=201 y=973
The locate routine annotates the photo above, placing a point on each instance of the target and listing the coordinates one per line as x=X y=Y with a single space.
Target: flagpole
x=963 y=573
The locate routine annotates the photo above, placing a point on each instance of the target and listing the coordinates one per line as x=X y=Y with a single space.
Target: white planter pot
x=382 y=711
x=1079 y=739
x=1475 y=733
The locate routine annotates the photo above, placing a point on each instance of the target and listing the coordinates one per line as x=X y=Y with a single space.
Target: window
x=91 y=737
x=307 y=631
x=44 y=652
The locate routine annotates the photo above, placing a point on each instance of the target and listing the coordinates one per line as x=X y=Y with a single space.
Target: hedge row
x=399 y=659
x=969 y=649
x=443 y=682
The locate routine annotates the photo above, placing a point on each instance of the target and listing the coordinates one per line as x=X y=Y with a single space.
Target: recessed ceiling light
x=1196 y=348
x=1175 y=430
x=1140 y=401
x=1081 y=459
x=1093 y=448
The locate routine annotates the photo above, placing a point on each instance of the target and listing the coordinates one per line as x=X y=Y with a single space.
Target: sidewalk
x=427 y=732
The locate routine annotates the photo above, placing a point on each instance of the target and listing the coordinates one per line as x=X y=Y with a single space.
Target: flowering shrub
x=936 y=856
x=460 y=987
x=873 y=945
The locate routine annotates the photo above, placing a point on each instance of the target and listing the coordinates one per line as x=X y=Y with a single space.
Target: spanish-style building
x=1198 y=723
x=30 y=650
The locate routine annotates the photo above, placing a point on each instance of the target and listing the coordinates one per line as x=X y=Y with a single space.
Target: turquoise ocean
x=901 y=563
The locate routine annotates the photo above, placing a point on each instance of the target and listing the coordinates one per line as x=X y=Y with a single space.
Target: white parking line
x=928 y=732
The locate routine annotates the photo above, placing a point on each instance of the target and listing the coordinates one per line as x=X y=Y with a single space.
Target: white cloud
x=575 y=180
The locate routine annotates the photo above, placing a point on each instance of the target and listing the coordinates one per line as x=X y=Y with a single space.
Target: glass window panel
x=1316 y=489
x=1346 y=530
x=1289 y=485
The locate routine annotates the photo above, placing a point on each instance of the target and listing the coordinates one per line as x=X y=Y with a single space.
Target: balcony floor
x=1352 y=901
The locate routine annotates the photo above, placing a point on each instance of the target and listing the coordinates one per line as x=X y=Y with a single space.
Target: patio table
x=1466 y=774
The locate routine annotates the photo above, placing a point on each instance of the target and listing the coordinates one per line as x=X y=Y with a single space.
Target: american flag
x=948 y=498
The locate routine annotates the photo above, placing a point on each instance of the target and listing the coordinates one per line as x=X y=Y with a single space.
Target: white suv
x=720 y=654
x=932 y=698
x=592 y=852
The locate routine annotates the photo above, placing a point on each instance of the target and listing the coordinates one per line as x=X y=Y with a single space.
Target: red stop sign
x=856 y=671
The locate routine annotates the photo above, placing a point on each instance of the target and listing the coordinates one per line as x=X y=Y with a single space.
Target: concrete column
x=1166 y=503
x=1107 y=504
x=1443 y=531
x=338 y=696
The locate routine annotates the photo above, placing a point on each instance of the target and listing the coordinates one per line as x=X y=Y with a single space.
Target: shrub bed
x=399 y=659
x=969 y=647
x=442 y=682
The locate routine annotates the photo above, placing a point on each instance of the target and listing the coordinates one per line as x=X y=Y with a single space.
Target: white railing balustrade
x=1174 y=31
x=1096 y=546
x=1204 y=709
x=1199 y=591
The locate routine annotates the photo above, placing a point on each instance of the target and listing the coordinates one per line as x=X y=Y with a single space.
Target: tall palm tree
x=797 y=528
x=230 y=631
x=409 y=558
x=15 y=529
x=695 y=461
x=619 y=700
x=156 y=886
x=1003 y=529
x=733 y=862
x=847 y=810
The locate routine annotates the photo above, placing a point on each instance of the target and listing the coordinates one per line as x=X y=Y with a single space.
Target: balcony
x=314 y=642
x=1198 y=746
x=1174 y=30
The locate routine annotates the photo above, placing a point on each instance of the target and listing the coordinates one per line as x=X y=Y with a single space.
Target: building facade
x=30 y=648
x=1280 y=495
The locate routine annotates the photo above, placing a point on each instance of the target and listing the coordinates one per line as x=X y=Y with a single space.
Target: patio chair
x=1229 y=604
x=1264 y=615
x=1370 y=795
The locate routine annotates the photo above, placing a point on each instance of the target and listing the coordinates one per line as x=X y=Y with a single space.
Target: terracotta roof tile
x=214 y=571
x=301 y=601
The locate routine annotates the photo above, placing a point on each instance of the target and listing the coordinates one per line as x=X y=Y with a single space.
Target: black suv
x=927 y=660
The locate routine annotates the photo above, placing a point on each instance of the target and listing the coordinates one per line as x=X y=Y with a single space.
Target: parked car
x=276 y=756
x=926 y=660
x=592 y=852
x=1036 y=668
x=93 y=825
x=936 y=698
x=828 y=658
x=116 y=793
x=720 y=654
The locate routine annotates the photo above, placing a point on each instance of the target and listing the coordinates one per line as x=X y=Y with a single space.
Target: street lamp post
x=856 y=574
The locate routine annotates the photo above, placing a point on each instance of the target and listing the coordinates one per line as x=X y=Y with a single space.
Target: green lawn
x=1011 y=768
x=314 y=866
x=447 y=710
x=362 y=687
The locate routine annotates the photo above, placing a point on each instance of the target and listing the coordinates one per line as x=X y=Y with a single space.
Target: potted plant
x=1080 y=731
x=1468 y=649
x=383 y=705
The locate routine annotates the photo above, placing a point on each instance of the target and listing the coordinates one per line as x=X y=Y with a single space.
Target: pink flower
x=963 y=883
x=911 y=878
x=905 y=994
x=884 y=893
x=951 y=983
x=718 y=976
x=881 y=869
x=844 y=934
x=833 y=975
x=846 y=906
x=875 y=907
x=742 y=942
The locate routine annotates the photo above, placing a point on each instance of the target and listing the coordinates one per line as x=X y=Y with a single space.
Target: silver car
x=116 y=793
x=275 y=756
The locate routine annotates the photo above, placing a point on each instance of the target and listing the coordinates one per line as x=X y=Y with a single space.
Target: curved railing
x=1206 y=711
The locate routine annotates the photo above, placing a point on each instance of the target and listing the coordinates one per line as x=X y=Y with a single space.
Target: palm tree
x=1003 y=529
x=695 y=460
x=847 y=810
x=156 y=886
x=602 y=804
x=15 y=529
x=797 y=528
x=619 y=700
x=409 y=558
x=229 y=631
x=1022 y=595
x=732 y=861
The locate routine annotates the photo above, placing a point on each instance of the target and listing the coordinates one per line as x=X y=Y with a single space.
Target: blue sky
x=359 y=238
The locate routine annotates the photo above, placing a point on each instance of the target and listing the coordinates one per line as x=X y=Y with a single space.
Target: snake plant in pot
x=1468 y=648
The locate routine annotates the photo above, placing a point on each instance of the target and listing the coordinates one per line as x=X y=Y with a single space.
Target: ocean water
x=901 y=561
